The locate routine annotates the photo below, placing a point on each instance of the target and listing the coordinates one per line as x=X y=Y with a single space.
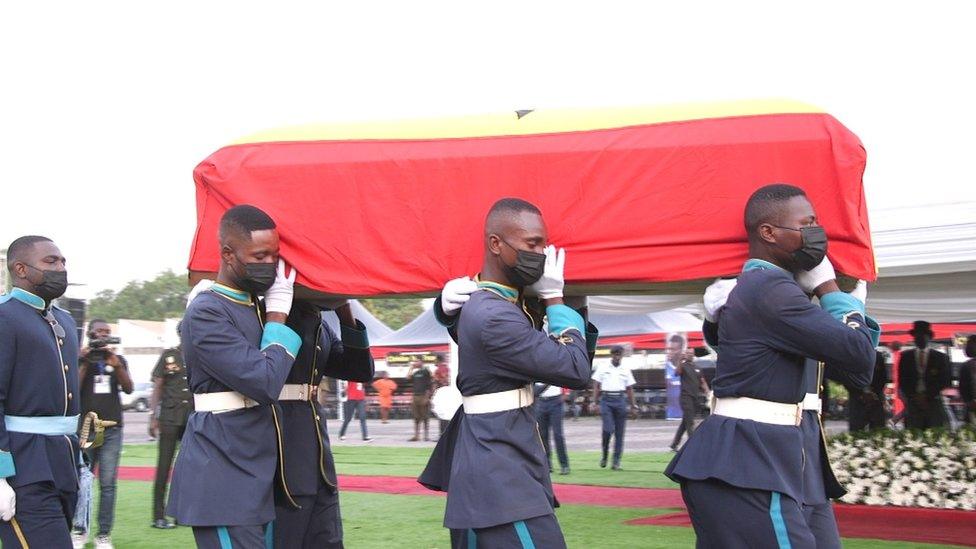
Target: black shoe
x=564 y=471
x=163 y=524
x=674 y=447
x=550 y=469
x=603 y=461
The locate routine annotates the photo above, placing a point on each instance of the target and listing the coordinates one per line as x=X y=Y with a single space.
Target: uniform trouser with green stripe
x=534 y=533
x=728 y=517
x=234 y=537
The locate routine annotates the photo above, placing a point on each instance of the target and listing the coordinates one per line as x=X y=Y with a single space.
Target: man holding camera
x=103 y=374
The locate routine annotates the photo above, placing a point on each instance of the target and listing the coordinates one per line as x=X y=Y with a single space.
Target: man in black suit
x=923 y=373
x=966 y=374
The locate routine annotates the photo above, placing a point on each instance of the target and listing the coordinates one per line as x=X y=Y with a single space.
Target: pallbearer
x=491 y=461
x=238 y=353
x=306 y=497
x=38 y=400
x=744 y=472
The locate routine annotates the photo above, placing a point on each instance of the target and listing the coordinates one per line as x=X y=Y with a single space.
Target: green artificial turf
x=385 y=521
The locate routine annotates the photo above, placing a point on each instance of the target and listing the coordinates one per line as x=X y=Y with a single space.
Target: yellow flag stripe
x=536 y=122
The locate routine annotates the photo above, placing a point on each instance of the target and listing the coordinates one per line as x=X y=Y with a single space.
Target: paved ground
x=648 y=435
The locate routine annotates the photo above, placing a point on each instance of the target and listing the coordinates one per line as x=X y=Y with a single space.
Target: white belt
x=812 y=402
x=298 y=392
x=498 y=402
x=763 y=411
x=221 y=402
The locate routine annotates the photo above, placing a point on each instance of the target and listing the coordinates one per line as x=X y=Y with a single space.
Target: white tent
x=375 y=329
x=926 y=269
x=425 y=330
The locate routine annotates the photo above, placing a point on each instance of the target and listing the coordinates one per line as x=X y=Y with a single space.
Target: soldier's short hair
x=763 y=205
x=509 y=207
x=242 y=221
x=19 y=247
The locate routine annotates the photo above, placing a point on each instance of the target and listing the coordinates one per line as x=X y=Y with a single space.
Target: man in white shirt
x=613 y=389
x=549 y=412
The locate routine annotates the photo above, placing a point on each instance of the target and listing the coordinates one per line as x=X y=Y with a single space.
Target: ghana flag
x=645 y=199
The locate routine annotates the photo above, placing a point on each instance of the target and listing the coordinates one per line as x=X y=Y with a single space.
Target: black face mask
x=52 y=286
x=257 y=277
x=528 y=267
x=813 y=249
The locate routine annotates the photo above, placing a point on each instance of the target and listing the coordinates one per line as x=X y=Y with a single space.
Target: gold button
x=65 y=367
x=316 y=417
x=69 y=396
x=60 y=341
x=318 y=347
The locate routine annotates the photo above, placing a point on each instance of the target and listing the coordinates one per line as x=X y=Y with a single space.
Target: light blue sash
x=43 y=425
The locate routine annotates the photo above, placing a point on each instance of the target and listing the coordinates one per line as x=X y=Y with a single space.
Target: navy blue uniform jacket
x=766 y=330
x=493 y=466
x=38 y=377
x=224 y=475
x=307 y=456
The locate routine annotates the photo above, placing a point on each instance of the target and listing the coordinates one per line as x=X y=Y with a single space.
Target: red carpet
x=887 y=523
x=854 y=521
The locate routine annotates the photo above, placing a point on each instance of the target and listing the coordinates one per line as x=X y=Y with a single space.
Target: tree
x=157 y=299
x=395 y=313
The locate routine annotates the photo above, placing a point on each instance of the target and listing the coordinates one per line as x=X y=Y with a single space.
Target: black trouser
x=689 y=409
x=931 y=414
x=43 y=518
x=317 y=523
x=169 y=439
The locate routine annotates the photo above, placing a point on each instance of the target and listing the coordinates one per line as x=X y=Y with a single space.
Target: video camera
x=104 y=342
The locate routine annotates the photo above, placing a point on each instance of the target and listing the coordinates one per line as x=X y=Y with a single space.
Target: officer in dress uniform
x=171 y=405
x=753 y=473
x=490 y=460
x=38 y=401
x=306 y=497
x=238 y=353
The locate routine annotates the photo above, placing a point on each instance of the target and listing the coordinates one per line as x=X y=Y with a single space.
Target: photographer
x=103 y=374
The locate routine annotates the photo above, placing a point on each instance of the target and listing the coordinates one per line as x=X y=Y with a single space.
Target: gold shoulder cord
x=823 y=434
x=274 y=415
x=90 y=422
x=315 y=413
x=19 y=533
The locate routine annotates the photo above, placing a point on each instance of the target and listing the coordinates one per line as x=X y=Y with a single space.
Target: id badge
x=102 y=386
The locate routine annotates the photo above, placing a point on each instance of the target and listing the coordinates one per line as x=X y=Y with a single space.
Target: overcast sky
x=106 y=107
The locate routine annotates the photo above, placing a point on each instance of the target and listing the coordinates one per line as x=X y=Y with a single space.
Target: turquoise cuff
x=841 y=305
x=592 y=336
x=355 y=338
x=562 y=318
x=7 y=468
x=276 y=333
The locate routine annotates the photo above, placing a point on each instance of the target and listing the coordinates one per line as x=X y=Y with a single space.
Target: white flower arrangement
x=934 y=468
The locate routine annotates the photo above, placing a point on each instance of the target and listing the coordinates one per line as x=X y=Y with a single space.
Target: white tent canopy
x=926 y=269
x=375 y=329
x=425 y=330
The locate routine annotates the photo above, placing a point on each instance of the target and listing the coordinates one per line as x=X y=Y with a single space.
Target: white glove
x=279 y=296
x=8 y=501
x=456 y=293
x=860 y=291
x=551 y=284
x=201 y=286
x=809 y=280
x=716 y=294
